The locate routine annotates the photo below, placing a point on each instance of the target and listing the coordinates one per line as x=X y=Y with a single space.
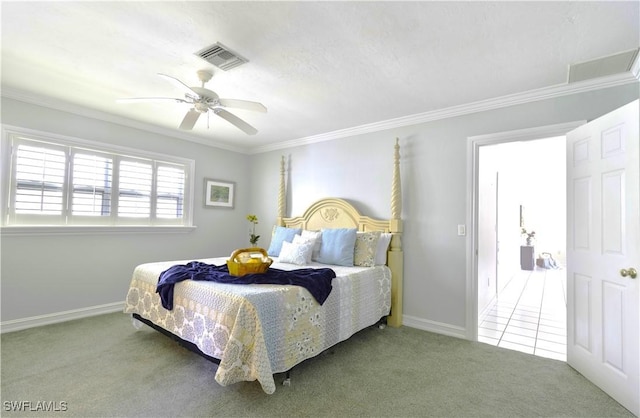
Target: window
x=40 y=177
x=53 y=181
x=92 y=184
x=134 y=196
x=170 y=192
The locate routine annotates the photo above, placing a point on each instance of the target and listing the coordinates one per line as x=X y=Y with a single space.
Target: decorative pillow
x=337 y=246
x=366 y=247
x=295 y=253
x=317 y=236
x=298 y=239
x=280 y=235
x=383 y=247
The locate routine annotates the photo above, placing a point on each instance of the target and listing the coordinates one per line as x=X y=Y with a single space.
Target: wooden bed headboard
x=338 y=213
x=335 y=213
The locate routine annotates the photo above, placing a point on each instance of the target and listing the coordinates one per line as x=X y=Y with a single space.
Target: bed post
x=282 y=198
x=395 y=254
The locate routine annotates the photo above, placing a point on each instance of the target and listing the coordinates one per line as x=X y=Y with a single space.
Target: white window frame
x=67 y=223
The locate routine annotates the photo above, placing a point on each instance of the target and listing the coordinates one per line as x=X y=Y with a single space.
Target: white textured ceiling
x=318 y=67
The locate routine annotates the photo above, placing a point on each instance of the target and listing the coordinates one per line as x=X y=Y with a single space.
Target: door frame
x=487 y=260
x=473 y=162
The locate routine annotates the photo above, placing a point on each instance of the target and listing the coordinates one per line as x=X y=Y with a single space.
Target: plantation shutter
x=53 y=182
x=170 y=192
x=92 y=181
x=134 y=195
x=40 y=177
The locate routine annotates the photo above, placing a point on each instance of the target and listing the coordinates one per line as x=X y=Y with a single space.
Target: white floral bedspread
x=258 y=330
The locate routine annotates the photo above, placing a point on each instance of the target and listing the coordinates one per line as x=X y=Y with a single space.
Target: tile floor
x=530 y=315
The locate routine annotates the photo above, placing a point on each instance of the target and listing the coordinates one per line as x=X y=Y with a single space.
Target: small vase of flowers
x=530 y=236
x=253 y=238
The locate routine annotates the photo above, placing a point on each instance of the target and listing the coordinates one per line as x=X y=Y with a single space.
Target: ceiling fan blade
x=150 y=99
x=179 y=84
x=190 y=120
x=243 y=104
x=233 y=119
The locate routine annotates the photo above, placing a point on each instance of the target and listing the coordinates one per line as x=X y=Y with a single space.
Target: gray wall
x=434 y=181
x=48 y=274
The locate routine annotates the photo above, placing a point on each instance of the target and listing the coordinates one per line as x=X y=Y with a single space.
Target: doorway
x=608 y=325
x=521 y=286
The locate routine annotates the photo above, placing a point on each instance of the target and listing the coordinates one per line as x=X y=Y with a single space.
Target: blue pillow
x=337 y=246
x=281 y=234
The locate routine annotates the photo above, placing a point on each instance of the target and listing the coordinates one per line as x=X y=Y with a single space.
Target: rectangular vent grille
x=221 y=56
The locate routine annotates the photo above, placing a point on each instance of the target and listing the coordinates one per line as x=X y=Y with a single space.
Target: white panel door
x=603 y=246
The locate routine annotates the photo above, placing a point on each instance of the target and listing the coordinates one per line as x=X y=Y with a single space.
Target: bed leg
x=287 y=379
x=382 y=324
x=137 y=324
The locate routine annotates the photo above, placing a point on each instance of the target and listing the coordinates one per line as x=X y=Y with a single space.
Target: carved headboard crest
x=330 y=214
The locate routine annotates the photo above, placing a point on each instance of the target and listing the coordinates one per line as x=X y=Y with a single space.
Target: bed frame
x=335 y=213
x=338 y=213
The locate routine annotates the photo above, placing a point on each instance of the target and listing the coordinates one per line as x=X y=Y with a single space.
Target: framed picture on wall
x=218 y=193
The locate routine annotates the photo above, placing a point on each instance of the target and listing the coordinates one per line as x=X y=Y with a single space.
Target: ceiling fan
x=204 y=100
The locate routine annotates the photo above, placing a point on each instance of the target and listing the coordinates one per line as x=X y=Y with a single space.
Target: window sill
x=93 y=230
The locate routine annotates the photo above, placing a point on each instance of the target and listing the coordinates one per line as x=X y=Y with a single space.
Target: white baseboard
x=433 y=326
x=53 y=318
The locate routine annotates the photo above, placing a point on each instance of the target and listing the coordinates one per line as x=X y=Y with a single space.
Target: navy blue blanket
x=316 y=281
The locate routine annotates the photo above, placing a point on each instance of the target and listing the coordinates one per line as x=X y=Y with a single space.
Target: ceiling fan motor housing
x=201 y=107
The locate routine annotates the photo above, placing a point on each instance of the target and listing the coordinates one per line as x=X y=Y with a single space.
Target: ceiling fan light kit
x=204 y=100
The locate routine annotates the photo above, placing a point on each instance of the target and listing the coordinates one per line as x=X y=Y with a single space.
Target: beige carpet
x=103 y=367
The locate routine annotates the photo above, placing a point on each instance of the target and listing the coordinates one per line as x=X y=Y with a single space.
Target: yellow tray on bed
x=248 y=261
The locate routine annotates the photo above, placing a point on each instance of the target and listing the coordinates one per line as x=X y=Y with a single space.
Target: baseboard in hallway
x=530 y=315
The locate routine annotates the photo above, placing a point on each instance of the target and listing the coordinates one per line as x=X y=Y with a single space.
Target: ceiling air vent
x=612 y=64
x=221 y=56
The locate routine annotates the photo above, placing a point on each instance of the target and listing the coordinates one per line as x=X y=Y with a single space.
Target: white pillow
x=366 y=248
x=295 y=253
x=281 y=234
x=298 y=239
x=317 y=237
x=383 y=247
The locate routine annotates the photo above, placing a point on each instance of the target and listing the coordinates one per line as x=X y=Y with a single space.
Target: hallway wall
x=540 y=169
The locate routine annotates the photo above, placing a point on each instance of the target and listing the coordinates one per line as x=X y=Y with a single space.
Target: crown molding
x=560 y=90
x=64 y=106
x=635 y=68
